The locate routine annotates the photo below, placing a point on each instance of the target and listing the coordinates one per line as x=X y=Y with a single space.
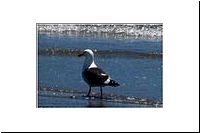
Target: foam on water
x=136 y=31
x=95 y=98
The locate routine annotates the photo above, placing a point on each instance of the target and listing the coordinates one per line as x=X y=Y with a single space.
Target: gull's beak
x=81 y=54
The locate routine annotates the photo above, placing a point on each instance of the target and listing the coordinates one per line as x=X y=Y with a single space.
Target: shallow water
x=52 y=102
x=138 y=77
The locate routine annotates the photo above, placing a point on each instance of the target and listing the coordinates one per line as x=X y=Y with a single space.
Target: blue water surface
x=138 y=77
x=77 y=42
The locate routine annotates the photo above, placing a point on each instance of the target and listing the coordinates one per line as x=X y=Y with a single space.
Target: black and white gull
x=93 y=75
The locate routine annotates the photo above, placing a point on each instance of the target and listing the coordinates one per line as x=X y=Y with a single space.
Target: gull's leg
x=89 y=91
x=101 y=92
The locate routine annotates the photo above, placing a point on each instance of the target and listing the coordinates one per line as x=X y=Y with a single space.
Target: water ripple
x=101 y=53
x=81 y=95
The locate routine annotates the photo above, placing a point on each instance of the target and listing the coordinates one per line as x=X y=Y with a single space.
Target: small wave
x=101 y=53
x=136 y=31
x=75 y=94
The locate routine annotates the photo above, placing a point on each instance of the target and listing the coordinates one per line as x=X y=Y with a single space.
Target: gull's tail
x=113 y=83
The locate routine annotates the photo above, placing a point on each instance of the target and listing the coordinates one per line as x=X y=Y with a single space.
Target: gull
x=93 y=75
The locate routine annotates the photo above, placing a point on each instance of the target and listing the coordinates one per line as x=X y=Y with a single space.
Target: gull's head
x=87 y=52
